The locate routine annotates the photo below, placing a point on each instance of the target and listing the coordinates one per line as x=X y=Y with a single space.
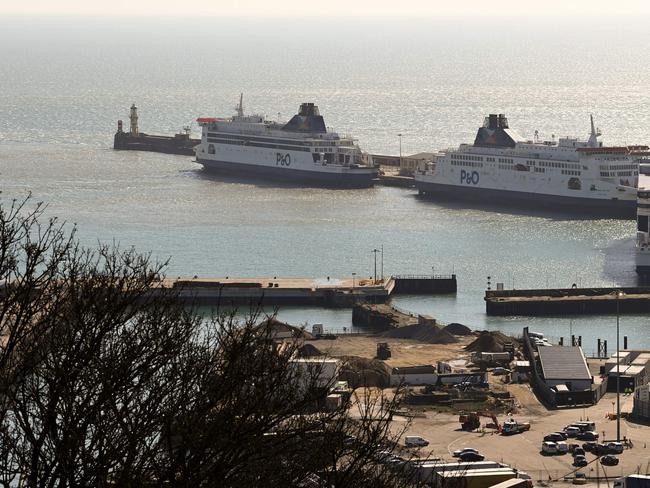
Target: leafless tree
x=105 y=379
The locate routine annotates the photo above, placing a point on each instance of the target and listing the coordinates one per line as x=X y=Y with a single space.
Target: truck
x=476 y=478
x=472 y=420
x=633 y=481
x=514 y=483
x=511 y=426
x=424 y=471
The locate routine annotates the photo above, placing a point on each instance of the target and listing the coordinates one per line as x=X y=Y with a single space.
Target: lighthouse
x=134 y=120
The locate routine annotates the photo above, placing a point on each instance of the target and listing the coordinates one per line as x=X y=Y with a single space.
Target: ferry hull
x=358 y=179
x=485 y=198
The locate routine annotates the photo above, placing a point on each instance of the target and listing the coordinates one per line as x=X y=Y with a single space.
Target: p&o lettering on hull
x=469 y=177
x=282 y=159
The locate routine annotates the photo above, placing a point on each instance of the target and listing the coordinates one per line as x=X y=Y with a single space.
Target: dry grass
x=405 y=352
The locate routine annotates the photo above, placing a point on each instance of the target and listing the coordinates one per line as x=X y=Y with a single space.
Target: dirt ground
x=521 y=451
x=405 y=352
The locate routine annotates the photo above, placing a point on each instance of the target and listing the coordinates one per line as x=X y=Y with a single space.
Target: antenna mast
x=240 y=108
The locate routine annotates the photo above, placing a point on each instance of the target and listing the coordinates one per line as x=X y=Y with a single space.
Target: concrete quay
x=567 y=301
x=326 y=292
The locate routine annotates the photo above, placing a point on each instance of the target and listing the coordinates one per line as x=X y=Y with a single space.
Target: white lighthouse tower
x=134 y=120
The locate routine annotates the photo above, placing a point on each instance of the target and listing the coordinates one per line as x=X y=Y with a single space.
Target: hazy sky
x=328 y=7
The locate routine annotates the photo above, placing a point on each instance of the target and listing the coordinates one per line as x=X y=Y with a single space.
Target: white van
x=415 y=441
x=585 y=426
x=549 y=447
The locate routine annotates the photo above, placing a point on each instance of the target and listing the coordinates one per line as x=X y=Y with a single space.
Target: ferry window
x=341 y=158
x=642 y=223
x=211 y=149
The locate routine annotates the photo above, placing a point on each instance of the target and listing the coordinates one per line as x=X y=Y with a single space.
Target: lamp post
x=382 y=263
x=353 y=275
x=375 y=251
x=618 y=367
x=400 y=149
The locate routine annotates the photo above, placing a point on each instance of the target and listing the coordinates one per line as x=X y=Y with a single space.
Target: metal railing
x=423 y=277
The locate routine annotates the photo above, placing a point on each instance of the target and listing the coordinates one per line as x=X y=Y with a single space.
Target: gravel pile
x=458 y=329
x=429 y=334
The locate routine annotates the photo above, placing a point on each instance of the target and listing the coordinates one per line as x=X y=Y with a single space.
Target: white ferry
x=642 y=223
x=567 y=175
x=301 y=150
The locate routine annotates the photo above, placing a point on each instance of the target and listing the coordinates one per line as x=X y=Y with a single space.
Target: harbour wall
x=568 y=301
x=180 y=144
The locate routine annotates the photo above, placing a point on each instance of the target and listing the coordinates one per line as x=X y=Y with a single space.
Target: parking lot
x=522 y=451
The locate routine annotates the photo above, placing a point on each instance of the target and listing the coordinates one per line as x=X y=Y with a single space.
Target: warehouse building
x=565 y=367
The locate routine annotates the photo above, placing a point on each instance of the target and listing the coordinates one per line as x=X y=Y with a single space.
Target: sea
x=65 y=81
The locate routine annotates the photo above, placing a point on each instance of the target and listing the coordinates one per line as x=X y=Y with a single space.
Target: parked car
x=580 y=461
x=609 y=460
x=554 y=437
x=471 y=457
x=562 y=447
x=590 y=435
x=500 y=371
x=579 y=451
x=579 y=478
x=571 y=430
x=415 y=441
x=549 y=448
x=600 y=449
x=458 y=452
x=589 y=446
x=615 y=447
x=585 y=425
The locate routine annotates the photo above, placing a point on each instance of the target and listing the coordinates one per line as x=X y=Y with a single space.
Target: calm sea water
x=65 y=82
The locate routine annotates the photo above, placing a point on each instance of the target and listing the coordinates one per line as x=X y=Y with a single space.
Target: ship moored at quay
x=301 y=150
x=567 y=175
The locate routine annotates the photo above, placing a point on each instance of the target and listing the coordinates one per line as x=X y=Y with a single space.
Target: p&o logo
x=469 y=177
x=282 y=159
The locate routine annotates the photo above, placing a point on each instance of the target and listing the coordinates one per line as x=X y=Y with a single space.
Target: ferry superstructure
x=301 y=150
x=567 y=175
x=642 y=257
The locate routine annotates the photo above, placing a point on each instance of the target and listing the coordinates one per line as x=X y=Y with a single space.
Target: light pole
x=375 y=251
x=400 y=150
x=618 y=367
x=382 y=263
x=353 y=275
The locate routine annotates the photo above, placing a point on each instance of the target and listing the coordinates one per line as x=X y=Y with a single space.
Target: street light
x=400 y=149
x=375 y=251
x=353 y=275
x=619 y=294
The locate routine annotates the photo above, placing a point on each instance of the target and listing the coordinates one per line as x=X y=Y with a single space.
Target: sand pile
x=489 y=341
x=429 y=334
x=458 y=329
x=308 y=350
x=364 y=372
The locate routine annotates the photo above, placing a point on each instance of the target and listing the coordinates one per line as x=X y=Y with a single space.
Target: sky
x=336 y=8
